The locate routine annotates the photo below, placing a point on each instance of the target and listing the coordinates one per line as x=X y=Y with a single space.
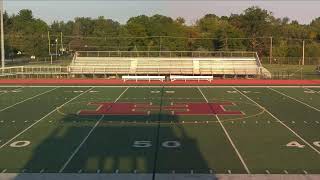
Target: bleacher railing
x=21 y=70
x=165 y=54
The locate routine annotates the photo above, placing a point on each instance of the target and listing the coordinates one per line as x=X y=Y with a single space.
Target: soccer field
x=160 y=130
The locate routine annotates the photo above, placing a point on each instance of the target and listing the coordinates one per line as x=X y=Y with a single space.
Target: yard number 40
x=296 y=144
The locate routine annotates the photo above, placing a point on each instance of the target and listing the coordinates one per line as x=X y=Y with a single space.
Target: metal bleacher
x=167 y=63
x=148 y=63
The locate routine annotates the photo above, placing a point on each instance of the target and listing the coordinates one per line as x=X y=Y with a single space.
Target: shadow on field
x=123 y=148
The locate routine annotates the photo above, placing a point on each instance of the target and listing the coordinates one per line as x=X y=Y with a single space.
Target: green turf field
x=42 y=130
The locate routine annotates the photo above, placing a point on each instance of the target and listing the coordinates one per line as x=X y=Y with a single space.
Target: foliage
x=250 y=30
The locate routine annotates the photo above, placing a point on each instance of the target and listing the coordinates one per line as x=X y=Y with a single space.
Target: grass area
x=285 y=71
x=160 y=130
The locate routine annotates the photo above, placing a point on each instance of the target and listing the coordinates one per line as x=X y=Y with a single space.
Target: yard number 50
x=165 y=144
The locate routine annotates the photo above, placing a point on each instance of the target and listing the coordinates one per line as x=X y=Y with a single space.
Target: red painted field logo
x=124 y=108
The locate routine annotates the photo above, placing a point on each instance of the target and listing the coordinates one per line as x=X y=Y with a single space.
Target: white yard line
x=80 y=145
x=42 y=119
x=8 y=107
x=296 y=134
x=229 y=138
x=85 y=139
x=314 y=108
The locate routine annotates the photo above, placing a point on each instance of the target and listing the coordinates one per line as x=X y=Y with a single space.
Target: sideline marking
x=27 y=99
x=85 y=139
x=295 y=99
x=228 y=136
x=296 y=134
x=36 y=122
x=11 y=89
x=178 y=86
x=311 y=89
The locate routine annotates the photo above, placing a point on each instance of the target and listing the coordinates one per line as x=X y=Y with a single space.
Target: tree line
x=252 y=30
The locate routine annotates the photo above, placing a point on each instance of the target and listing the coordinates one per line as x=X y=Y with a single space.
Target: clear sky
x=191 y=10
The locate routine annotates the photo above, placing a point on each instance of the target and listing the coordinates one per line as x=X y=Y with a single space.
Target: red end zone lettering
x=202 y=109
x=109 y=108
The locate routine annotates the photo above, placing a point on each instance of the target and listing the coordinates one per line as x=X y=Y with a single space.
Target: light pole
x=56 y=48
x=303 y=46
x=2 y=35
x=270 y=53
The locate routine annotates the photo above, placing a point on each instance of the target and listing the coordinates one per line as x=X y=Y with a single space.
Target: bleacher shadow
x=117 y=148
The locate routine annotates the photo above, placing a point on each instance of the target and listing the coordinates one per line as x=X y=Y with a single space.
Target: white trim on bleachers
x=147 y=78
x=185 y=78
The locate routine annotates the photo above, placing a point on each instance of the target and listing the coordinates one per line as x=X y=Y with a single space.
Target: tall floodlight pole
x=2 y=35
x=61 y=41
x=56 y=48
x=303 y=46
x=270 y=53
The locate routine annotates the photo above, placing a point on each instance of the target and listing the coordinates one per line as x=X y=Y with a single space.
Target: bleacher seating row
x=249 y=66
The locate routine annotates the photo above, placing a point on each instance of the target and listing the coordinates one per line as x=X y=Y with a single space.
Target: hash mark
x=286 y=172
x=229 y=171
x=267 y=171
x=305 y=172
